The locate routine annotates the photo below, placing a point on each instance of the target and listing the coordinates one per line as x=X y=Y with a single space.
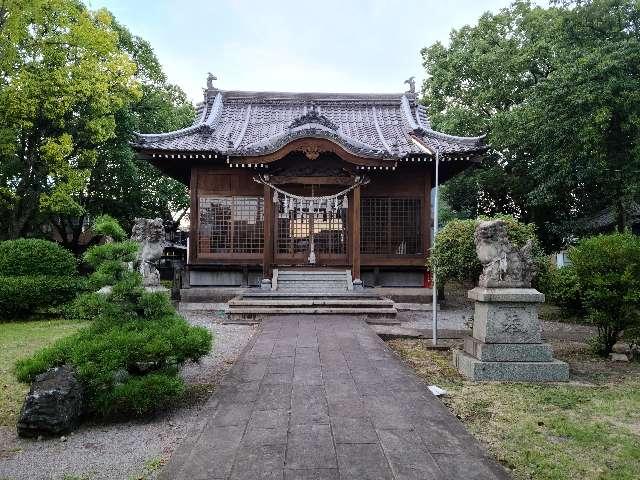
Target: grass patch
x=587 y=430
x=19 y=340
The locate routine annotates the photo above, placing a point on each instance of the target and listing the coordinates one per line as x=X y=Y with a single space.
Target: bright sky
x=294 y=45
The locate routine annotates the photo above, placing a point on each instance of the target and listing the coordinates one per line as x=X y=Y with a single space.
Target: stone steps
x=375 y=315
x=311 y=280
x=311 y=302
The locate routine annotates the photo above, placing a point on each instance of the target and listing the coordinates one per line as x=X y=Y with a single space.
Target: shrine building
x=311 y=180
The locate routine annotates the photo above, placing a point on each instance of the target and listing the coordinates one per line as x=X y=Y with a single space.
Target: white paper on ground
x=437 y=391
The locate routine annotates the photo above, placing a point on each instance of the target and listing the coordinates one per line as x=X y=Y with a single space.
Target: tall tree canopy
x=557 y=90
x=74 y=85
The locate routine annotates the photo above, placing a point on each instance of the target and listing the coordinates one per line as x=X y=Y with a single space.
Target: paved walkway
x=323 y=398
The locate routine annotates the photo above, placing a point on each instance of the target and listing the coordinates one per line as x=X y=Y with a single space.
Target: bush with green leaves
x=22 y=296
x=129 y=356
x=454 y=254
x=560 y=286
x=30 y=256
x=607 y=268
x=35 y=275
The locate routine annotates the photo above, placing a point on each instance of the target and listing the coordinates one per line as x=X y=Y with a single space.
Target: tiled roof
x=245 y=124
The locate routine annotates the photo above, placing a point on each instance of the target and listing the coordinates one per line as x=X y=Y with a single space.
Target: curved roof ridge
x=454 y=138
x=406 y=111
x=314 y=130
x=240 y=136
x=216 y=110
x=374 y=112
x=422 y=118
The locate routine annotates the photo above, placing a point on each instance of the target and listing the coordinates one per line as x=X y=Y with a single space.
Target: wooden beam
x=355 y=235
x=279 y=180
x=269 y=221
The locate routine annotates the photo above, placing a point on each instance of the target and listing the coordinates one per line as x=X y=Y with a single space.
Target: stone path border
x=323 y=398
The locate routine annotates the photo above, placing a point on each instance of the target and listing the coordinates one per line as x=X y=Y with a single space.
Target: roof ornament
x=411 y=81
x=313 y=117
x=210 y=78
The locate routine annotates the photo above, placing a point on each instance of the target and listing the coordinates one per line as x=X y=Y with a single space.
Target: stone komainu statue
x=503 y=265
x=150 y=234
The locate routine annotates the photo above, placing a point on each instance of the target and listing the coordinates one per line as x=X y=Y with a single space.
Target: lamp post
x=434 y=287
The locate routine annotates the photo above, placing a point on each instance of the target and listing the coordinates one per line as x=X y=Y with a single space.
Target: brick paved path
x=320 y=398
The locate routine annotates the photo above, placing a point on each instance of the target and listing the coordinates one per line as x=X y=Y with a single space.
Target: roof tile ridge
x=215 y=112
x=377 y=125
x=454 y=138
x=406 y=111
x=150 y=137
x=421 y=111
x=272 y=143
x=245 y=124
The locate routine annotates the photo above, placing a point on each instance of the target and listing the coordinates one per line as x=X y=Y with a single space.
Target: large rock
x=53 y=405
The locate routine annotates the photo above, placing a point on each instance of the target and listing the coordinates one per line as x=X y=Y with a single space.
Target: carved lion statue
x=150 y=234
x=503 y=265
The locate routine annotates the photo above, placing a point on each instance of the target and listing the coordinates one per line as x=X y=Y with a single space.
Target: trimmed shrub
x=30 y=256
x=129 y=356
x=607 y=268
x=22 y=296
x=108 y=226
x=561 y=288
x=454 y=254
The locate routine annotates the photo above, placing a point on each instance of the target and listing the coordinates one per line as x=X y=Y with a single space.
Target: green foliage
x=557 y=90
x=109 y=261
x=74 y=86
x=561 y=288
x=35 y=257
x=139 y=395
x=121 y=184
x=607 y=268
x=86 y=306
x=454 y=254
x=62 y=79
x=21 y=296
x=108 y=226
x=128 y=357
x=35 y=275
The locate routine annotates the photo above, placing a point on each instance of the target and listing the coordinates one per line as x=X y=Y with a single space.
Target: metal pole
x=433 y=270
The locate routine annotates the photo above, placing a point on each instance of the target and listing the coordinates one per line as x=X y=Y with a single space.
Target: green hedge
x=30 y=256
x=21 y=296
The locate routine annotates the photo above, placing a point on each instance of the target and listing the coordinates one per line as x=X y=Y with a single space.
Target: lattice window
x=329 y=232
x=295 y=228
x=390 y=226
x=231 y=225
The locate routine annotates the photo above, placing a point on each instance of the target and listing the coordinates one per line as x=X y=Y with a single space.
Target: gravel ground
x=132 y=450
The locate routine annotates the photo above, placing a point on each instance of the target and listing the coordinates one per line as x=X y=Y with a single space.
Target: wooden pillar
x=193 y=216
x=269 y=221
x=355 y=233
x=426 y=217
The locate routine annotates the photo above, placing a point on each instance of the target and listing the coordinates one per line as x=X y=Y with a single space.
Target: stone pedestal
x=507 y=339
